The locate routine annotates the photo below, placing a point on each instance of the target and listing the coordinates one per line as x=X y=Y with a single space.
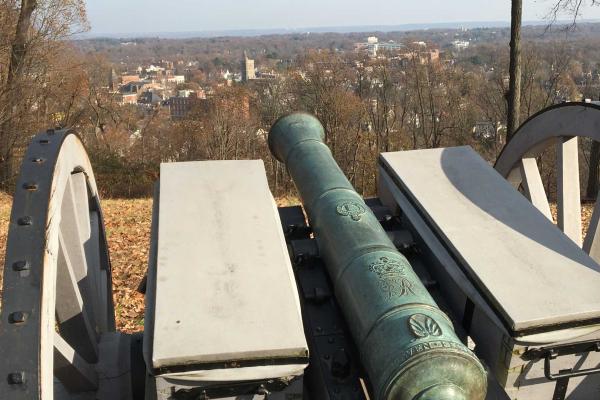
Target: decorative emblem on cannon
x=392 y=276
x=350 y=209
x=423 y=326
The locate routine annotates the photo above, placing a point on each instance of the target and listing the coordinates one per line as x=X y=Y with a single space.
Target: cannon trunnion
x=449 y=285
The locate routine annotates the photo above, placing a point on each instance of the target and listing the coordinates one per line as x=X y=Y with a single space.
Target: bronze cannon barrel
x=407 y=344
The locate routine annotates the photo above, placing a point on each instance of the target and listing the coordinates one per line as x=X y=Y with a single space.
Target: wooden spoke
x=71 y=369
x=74 y=325
x=81 y=204
x=591 y=244
x=74 y=247
x=92 y=249
x=533 y=186
x=568 y=201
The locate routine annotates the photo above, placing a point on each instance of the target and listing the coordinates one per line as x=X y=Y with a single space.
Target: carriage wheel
x=57 y=297
x=557 y=126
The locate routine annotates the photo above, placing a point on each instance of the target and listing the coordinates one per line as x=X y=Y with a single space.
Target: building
x=460 y=44
x=227 y=75
x=133 y=87
x=154 y=69
x=176 y=79
x=373 y=45
x=113 y=80
x=185 y=93
x=266 y=75
x=247 y=69
x=149 y=98
x=199 y=93
x=486 y=130
x=129 y=93
x=425 y=56
x=179 y=107
x=126 y=98
x=125 y=79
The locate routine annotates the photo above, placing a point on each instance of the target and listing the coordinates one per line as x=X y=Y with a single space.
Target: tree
x=35 y=42
x=559 y=7
x=15 y=66
x=573 y=7
x=514 y=89
x=387 y=110
x=569 y=7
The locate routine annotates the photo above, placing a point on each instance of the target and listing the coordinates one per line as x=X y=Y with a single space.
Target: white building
x=185 y=93
x=460 y=44
x=373 y=45
x=154 y=68
x=177 y=79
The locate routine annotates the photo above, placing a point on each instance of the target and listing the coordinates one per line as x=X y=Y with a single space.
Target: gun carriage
x=454 y=283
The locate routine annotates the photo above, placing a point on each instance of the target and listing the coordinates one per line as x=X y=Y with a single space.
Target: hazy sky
x=127 y=16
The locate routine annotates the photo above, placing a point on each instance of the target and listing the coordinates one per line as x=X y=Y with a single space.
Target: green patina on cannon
x=407 y=344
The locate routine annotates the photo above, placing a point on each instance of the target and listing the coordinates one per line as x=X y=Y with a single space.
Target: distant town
x=140 y=101
x=182 y=83
x=163 y=84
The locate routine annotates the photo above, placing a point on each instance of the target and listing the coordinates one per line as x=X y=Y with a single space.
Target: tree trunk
x=18 y=53
x=592 y=185
x=19 y=44
x=514 y=88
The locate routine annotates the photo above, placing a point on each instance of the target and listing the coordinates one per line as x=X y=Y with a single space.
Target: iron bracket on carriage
x=453 y=283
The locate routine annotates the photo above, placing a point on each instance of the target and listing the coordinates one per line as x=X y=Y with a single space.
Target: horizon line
x=253 y=32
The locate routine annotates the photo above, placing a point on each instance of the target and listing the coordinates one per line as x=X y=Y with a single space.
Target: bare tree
x=17 y=56
x=514 y=89
x=387 y=110
x=35 y=41
x=568 y=7
x=574 y=9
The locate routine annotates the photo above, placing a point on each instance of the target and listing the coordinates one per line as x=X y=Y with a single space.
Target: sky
x=147 y=16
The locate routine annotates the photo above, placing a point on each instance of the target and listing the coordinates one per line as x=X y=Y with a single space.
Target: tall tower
x=113 y=80
x=247 y=69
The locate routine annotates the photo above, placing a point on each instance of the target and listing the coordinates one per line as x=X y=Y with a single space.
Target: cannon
x=407 y=345
x=453 y=283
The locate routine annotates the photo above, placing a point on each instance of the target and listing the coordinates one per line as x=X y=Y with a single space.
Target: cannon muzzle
x=407 y=344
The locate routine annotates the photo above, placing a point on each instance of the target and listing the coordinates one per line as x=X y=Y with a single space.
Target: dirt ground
x=128 y=234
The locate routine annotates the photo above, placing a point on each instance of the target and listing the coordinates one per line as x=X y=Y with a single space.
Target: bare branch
x=572 y=8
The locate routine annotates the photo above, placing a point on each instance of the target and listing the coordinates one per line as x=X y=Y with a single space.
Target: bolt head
x=21 y=265
x=25 y=221
x=17 y=317
x=16 y=378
